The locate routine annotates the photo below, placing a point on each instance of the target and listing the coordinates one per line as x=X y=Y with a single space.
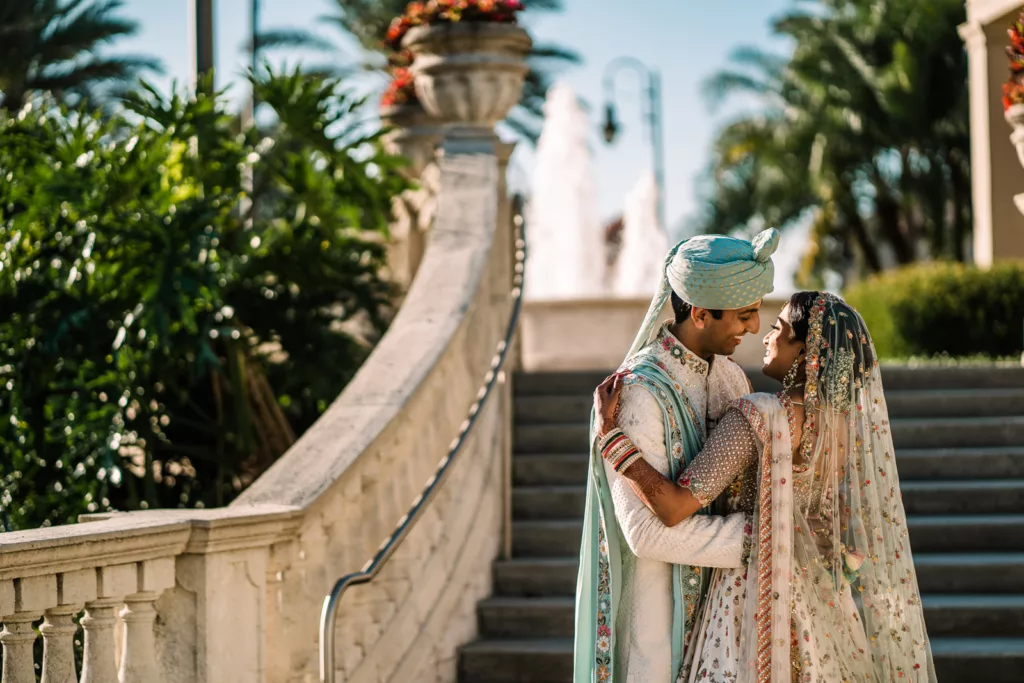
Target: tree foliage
x=163 y=339
x=863 y=131
x=51 y=46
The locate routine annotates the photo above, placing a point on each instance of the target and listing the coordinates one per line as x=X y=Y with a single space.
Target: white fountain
x=567 y=257
x=641 y=260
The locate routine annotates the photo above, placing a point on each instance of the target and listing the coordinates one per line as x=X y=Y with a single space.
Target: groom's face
x=722 y=335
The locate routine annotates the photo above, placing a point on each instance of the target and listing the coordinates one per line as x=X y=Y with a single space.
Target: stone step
x=549 y=469
x=547 y=538
x=914 y=464
x=573 y=437
x=901 y=404
x=983 y=497
x=959 y=463
x=955 y=403
x=532 y=660
x=977 y=660
x=964 y=533
x=510 y=617
x=894 y=378
x=919 y=497
x=945 y=615
x=928 y=534
x=1002 y=376
x=957 y=660
x=548 y=502
x=937 y=573
x=536 y=577
x=974 y=615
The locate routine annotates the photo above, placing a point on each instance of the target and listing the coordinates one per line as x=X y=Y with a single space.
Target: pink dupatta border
x=775 y=508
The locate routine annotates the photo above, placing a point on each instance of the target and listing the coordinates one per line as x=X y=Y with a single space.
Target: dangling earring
x=789 y=381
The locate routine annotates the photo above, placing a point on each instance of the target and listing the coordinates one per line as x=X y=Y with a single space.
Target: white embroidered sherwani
x=644 y=621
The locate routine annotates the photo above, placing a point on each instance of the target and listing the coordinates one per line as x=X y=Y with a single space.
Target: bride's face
x=781 y=350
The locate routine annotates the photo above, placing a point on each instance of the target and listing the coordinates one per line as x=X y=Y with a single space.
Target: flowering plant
x=450 y=12
x=1013 y=88
x=400 y=91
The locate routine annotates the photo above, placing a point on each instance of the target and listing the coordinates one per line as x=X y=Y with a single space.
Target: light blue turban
x=720 y=272
x=716 y=272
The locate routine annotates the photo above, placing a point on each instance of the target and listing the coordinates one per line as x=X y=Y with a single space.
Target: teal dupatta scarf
x=603 y=549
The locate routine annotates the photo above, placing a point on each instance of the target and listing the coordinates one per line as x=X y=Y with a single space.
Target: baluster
x=17 y=638
x=98 y=663
x=58 y=631
x=138 y=652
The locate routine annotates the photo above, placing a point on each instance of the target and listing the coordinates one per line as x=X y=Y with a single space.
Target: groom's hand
x=606 y=403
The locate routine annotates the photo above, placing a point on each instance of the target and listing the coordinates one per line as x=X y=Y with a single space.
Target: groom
x=639 y=581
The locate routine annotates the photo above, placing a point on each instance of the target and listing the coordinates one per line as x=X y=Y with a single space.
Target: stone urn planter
x=469 y=74
x=415 y=135
x=1015 y=117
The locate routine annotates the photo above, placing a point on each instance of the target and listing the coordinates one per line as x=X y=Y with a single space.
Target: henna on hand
x=648 y=483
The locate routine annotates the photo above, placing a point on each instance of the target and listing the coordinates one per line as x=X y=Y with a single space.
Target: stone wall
x=602 y=331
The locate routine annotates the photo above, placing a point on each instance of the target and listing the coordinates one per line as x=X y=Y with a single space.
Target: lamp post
x=653 y=114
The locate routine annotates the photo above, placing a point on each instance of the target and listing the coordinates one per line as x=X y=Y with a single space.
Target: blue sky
x=687 y=40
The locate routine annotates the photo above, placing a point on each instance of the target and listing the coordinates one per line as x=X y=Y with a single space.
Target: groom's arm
x=707 y=541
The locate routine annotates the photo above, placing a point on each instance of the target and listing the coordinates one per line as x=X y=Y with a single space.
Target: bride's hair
x=846 y=329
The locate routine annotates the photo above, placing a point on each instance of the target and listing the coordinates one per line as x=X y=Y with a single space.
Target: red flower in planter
x=1013 y=88
x=435 y=12
x=401 y=90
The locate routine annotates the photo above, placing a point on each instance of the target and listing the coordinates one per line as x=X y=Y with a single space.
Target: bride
x=828 y=592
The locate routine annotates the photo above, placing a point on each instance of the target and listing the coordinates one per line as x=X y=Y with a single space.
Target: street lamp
x=611 y=127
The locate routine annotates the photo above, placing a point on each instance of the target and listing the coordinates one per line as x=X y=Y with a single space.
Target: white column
x=138 y=659
x=973 y=35
x=98 y=662
x=58 y=631
x=18 y=637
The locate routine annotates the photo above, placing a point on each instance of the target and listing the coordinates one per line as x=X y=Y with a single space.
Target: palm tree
x=863 y=131
x=50 y=46
x=367 y=22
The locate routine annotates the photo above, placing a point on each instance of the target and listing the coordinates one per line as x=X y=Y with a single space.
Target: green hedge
x=944 y=309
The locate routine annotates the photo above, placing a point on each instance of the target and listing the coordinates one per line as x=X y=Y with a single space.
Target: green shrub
x=944 y=309
x=162 y=340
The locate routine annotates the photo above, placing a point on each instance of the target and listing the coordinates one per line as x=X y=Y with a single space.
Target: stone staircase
x=959 y=436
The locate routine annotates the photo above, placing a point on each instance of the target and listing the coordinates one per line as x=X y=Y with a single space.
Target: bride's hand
x=606 y=404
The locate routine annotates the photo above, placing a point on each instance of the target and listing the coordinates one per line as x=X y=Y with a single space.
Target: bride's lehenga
x=727 y=470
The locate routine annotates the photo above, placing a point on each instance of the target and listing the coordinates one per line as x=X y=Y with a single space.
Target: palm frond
x=291 y=39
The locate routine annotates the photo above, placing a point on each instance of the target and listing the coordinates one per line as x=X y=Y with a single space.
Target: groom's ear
x=698 y=316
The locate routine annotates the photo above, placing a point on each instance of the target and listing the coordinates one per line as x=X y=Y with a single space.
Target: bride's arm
x=731 y=448
x=666 y=499
x=728 y=452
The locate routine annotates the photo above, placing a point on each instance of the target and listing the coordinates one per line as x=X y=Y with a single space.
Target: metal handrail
x=330 y=609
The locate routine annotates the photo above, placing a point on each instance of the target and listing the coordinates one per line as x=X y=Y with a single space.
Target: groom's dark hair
x=682 y=310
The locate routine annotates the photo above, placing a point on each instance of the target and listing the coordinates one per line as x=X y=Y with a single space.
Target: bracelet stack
x=618 y=450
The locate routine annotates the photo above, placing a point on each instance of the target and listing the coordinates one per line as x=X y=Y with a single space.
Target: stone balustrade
x=137 y=591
